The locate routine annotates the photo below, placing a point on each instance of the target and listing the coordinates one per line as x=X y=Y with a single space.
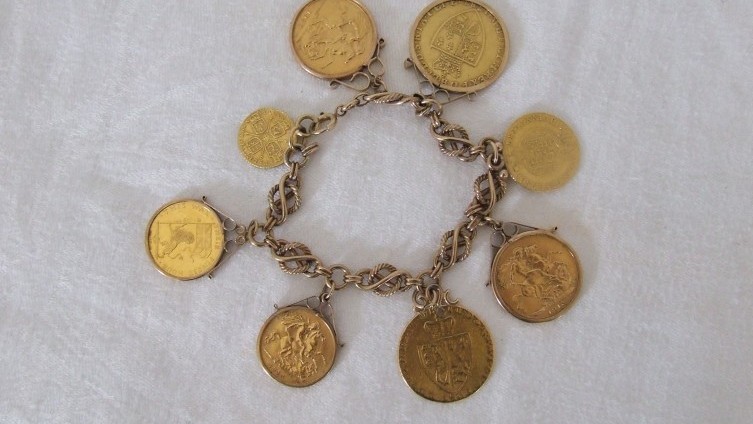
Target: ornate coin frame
x=421 y=67
x=335 y=75
x=512 y=244
x=205 y=270
x=267 y=359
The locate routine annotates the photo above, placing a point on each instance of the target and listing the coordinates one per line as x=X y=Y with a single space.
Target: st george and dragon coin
x=333 y=38
x=297 y=346
x=536 y=276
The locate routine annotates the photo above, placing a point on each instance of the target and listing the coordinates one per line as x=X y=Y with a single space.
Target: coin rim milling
x=486 y=368
x=324 y=75
x=423 y=70
x=508 y=245
x=149 y=228
x=241 y=141
x=508 y=149
x=321 y=319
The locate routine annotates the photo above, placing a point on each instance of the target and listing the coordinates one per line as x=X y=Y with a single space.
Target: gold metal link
x=295 y=258
x=455 y=246
x=251 y=233
x=384 y=280
x=304 y=125
x=341 y=282
x=283 y=199
x=323 y=123
x=453 y=141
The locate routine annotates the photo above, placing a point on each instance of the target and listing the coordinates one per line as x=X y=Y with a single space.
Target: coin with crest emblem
x=264 y=137
x=459 y=45
x=536 y=276
x=334 y=38
x=446 y=353
x=541 y=152
x=297 y=346
x=184 y=239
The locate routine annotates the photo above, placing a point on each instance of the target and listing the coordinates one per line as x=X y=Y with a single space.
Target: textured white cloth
x=108 y=109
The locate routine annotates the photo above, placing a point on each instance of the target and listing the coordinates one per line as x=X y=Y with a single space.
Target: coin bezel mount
x=509 y=244
x=334 y=76
x=437 y=83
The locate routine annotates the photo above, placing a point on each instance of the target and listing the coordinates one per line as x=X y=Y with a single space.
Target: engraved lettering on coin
x=536 y=276
x=297 y=346
x=459 y=45
x=541 y=152
x=185 y=239
x=264 y=136
x=334 y=38
x=446 y=354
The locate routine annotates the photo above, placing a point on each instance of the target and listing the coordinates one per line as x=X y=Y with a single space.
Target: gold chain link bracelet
x=457 y=48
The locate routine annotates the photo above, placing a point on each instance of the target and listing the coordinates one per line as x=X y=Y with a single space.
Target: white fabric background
x=108 y=109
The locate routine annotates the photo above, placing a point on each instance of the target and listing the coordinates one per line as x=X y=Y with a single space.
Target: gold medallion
x=541 y=152
x=264 y=136
x=446 y=354
x=536 y=276
x=459 y=45
x=334 y=38
x=297 y=346
x=185 y=240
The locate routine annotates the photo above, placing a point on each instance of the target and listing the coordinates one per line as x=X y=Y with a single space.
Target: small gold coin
x=459 y=45
x=446 y=354
x=185 y=240
x=264 y=136
x=333 y=38
x=536 y=276
x=297 y=346
x=541 y=152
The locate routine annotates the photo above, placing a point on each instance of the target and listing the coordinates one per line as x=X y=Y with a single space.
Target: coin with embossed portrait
x=297 y=346
x=184 y=239
x=541 y=152
x=536 y=276
x=264 y=136
x=333 y=38
x=446 y=354
x=459 y=45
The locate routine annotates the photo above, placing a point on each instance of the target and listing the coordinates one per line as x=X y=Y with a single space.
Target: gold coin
x=297 y=346
x=446 y=354
x=536 y=276
x=333 y=38
x=459 y=45
x=264 y=136
x=185 y=240
x=541 y=152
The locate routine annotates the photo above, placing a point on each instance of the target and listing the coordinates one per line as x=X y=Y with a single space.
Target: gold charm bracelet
x=457 y=48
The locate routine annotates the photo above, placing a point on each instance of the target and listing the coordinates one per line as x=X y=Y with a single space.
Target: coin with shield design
x=264 y=136
x=459 y=45
x=446 y=353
